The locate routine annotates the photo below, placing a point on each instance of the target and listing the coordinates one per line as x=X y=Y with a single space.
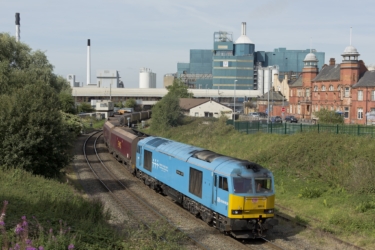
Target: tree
x=32 y=134
x=179 y=89
x=166 y=113
x=85 y=108
x=67 y=104
x=329 y=116
x=130 y=103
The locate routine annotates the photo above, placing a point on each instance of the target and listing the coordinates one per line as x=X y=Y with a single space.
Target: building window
x=315 y=88
x=339 y=88
x=372 y=95
x=299 y=109
x=323 y=88
x=307 y=92
x=196 y=114
x=316 y=108
x=346 y=92
x=331 y=88
x=360 y=113
x=360 y=95
x=346 y=112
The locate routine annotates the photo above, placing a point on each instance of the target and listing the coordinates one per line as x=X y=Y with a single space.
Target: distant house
x=204 y=108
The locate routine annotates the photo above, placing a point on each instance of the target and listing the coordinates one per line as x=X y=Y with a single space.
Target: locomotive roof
x=221 y=164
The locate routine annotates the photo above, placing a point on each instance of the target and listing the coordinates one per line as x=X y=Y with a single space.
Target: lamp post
x=234 y=103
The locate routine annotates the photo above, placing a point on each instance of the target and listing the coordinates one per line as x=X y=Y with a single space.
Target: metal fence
x=252 y=127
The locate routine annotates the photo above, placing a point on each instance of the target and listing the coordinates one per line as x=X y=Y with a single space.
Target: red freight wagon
x=123 y=144
x=107 y=132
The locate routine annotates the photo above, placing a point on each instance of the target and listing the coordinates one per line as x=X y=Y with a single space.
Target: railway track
x=140 y=211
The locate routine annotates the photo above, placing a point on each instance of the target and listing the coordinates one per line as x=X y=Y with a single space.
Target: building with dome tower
x=347 y=88
x=235 y=64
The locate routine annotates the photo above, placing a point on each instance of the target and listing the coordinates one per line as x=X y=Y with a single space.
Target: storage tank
x=275 y=70
x=267 y=79
x=260 y=80
x=147 y=79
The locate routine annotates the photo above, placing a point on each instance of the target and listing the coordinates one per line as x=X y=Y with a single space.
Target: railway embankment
x=324 y=181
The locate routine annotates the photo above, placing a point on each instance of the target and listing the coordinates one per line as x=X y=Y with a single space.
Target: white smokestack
x=88 y=63
x=18 y=27
x=243 y=29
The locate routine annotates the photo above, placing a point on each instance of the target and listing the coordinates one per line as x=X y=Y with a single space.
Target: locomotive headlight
x=236 y=212
x=268 y=211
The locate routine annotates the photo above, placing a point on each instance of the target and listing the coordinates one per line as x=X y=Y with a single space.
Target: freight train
x=235 y=196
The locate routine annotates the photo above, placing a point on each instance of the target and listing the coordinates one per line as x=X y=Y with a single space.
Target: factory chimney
x=88 y=62
x=18 y=27
x=243 y=32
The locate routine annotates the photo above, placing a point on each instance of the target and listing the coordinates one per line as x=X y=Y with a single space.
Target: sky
x=157 y=34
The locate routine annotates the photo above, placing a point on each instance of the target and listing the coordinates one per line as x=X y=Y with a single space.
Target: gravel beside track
x=286 y=235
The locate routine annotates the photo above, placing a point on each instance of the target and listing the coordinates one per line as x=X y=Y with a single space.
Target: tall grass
x=52 y=215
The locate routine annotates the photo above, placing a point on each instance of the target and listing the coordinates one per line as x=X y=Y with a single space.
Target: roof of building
x=367 y=80
x=350 y=50
x=243 y=39
x=329 y=73
x=297 y=82
x=274 y=95
x=310 y=57
x=189 y=103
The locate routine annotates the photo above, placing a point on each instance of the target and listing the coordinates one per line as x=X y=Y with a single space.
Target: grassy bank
x=56 y=215
x=327 y=180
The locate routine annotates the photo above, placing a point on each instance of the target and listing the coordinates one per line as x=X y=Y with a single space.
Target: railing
x=252 y=127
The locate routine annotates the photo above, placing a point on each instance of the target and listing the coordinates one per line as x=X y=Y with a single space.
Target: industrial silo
x=260 y=79
x=274 y=70
x=147 y=79
x=267 y=79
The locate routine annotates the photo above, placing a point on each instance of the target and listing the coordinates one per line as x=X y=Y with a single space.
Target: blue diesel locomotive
x=235 y=196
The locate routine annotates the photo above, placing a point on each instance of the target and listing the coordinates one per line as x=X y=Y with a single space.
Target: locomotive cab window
x=223 y=183
x=242 y=185
x=148 y=160
x=263 y=185
x=195 y=182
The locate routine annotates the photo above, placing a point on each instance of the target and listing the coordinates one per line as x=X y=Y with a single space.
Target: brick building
x=348 y=87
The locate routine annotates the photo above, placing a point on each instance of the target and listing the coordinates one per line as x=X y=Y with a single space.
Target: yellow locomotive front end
x=251 y=206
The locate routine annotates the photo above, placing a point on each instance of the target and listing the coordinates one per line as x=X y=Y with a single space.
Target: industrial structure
x=147 y=79
x=230 y=61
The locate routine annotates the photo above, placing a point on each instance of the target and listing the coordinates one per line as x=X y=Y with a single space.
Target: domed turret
x=310 y=60
x=350 y=54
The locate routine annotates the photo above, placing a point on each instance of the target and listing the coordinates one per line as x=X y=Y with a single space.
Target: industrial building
x=147 y=79
x=237 y=65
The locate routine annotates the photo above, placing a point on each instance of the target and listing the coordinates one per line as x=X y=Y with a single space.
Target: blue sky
x=128 y=35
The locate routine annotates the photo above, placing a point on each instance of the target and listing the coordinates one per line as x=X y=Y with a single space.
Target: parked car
x=276 y=119
x=254 y=114
x=291 y=119
x=263 y=115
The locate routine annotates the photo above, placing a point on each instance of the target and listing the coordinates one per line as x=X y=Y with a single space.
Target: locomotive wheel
x=206 y=217
x=193 y=209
